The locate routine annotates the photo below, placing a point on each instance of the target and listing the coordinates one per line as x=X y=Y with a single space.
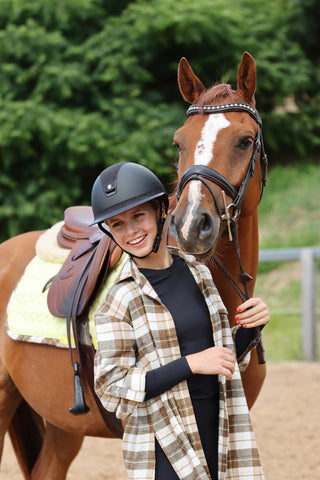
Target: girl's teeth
x=137 y=240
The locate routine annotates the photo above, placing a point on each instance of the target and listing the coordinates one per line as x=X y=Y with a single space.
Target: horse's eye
x=176 y=144
x=245 y=143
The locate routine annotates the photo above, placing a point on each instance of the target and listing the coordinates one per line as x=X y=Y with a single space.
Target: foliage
x=305 y=18
x=86 y=83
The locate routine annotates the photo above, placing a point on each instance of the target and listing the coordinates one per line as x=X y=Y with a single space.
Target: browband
x=225 y=107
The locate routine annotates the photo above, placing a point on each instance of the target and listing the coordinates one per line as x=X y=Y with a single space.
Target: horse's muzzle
x=197 y=236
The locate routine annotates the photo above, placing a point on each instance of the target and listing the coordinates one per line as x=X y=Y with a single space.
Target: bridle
x=205 y=173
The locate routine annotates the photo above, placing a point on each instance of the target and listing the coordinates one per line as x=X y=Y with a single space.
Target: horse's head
x=219 y=145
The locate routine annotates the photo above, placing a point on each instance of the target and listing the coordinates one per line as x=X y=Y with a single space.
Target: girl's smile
x=135 y=231
x=137 y=241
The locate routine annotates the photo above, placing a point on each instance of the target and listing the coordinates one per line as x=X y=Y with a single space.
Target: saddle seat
x=77 y=220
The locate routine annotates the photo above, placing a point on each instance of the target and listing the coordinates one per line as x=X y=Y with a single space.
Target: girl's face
x=135 y=230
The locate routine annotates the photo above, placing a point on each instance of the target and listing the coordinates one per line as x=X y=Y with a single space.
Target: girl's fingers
x=253 y=312
x=251 y=302
x=261 y=317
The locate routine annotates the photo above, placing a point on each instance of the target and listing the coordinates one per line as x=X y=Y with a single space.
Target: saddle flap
x=83 y=270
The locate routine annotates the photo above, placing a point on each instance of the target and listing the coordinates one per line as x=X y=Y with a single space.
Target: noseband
x=205 y=173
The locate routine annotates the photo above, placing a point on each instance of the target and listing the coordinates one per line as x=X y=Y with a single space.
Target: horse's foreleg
x=253 y=378
x=10 y=399
x=58 y=451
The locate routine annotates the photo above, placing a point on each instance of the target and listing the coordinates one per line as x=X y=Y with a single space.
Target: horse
x=219 y=181
x=36 y=381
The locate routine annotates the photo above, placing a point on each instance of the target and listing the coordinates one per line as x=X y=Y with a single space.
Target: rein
x=205 y=173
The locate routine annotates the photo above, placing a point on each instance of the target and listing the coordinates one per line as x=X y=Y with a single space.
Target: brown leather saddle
x=91 y=255
x=72 y=290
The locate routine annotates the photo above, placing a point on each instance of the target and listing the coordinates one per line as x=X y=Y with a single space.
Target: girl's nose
x=132 y=227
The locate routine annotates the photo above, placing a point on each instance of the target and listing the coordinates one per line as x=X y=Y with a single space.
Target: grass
x=289 y=211
x=289 y=216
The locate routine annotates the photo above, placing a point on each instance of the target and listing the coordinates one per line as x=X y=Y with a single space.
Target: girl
x=166 y=359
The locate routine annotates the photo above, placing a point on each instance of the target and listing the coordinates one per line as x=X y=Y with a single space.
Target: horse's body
x=42 y=376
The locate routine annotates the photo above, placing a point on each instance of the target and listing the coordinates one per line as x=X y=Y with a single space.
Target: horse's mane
x=215 y=94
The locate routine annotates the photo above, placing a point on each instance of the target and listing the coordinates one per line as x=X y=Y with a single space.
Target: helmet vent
x=110 y=188
x=109 y=179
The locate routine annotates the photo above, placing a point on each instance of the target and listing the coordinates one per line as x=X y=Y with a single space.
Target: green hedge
x=86 y=83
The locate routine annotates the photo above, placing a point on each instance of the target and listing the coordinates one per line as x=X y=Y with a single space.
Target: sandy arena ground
x=286 y=421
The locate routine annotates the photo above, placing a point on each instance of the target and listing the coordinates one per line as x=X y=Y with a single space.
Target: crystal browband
x=225 y=107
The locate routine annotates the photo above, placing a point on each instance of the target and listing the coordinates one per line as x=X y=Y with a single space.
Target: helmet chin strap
x=161 y=221
x=157 y=240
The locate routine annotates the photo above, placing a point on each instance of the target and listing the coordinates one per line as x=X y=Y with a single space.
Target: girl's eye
x=115 y=225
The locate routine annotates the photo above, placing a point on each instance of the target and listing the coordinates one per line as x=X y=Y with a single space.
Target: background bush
x=86 y=83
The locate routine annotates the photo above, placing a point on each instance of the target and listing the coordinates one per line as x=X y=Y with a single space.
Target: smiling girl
x=166 y=358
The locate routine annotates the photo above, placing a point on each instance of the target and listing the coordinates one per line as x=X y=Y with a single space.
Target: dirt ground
x=286 y=422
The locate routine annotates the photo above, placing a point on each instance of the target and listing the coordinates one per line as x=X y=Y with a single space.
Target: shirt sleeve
x=119 y=378
x=244 y=337
x=163 y=378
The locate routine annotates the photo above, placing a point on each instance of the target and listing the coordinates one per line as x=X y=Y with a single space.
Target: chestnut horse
x=36 y=381
x=219 y=178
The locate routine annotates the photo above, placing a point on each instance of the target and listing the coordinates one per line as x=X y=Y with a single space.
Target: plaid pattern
x=136 y=333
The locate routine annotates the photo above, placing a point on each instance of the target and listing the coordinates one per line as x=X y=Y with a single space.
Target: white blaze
x=202 y=156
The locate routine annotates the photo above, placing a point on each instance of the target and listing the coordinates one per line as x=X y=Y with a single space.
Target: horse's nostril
x=172 y=226
x=206 y=225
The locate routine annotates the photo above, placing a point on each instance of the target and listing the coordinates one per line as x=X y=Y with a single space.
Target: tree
x=86 y=83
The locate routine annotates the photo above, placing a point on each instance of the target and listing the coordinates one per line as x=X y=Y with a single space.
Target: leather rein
x=205 y=173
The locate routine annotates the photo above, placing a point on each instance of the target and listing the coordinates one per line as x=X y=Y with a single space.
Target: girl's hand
x=252 y=313
x=212 y=361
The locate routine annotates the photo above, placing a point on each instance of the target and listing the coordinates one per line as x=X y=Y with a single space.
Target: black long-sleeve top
x=182 y=296
x=179 y=292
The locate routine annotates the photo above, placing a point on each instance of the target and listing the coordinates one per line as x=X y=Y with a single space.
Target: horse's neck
x=224 y=251
x=249 y=253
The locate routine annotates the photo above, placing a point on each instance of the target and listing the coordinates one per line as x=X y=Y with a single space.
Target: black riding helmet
x=123 y=186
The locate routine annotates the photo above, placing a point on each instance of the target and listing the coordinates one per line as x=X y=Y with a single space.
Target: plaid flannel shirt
x=136 y=333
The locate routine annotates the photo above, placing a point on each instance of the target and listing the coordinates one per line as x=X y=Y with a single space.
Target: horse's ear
x=246 y=79
x=189 y=84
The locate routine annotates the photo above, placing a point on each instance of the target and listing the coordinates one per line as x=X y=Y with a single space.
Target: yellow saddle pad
x=28 y=317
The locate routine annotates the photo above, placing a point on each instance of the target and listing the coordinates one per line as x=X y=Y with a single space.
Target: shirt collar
x=130 y=270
